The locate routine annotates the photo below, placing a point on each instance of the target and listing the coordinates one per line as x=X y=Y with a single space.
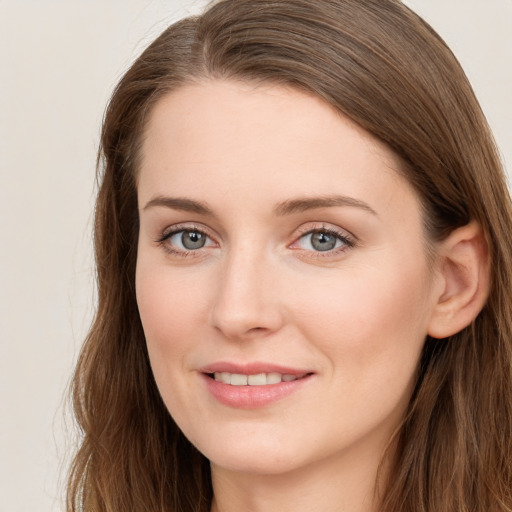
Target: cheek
x=371 y=329
x=172 y=316
x=371 y=322
x=171 y=309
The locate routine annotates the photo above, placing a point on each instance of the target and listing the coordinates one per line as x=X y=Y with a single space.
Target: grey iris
x=323 y=241
x=193 y=239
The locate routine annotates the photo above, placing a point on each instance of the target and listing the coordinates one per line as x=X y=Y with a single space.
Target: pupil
x=192 y=240
x=323 y=241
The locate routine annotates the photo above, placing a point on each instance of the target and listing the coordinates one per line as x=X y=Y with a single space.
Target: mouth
x=253 y=386
x=258 y=379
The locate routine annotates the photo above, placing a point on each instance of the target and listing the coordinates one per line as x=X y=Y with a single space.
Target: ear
x=464 y=268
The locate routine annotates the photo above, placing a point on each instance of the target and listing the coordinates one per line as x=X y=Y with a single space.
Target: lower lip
x=252 y=397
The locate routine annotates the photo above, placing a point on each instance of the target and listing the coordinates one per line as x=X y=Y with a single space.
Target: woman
x=304 y=273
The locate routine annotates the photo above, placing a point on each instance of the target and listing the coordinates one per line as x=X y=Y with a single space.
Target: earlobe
x=464 y=268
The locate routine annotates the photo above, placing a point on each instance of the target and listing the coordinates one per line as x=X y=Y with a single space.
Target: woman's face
x=282 y=278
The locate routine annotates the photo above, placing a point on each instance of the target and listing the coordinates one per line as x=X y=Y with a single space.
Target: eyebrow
x=180 y=203
x=287 y=207
x=310 y=203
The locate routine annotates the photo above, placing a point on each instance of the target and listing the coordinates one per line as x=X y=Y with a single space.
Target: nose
x=247 y=303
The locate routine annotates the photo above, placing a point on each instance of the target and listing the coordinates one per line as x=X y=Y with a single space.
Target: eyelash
x=167 y=235
x=348 y=241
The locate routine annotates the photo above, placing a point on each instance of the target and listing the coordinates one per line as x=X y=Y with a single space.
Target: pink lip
x=252 y=397
x=251 y=368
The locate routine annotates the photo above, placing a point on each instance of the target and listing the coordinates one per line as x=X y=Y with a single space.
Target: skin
x=355 y=316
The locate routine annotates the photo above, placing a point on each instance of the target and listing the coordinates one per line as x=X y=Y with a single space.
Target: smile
x=252 y=387
x=259 y=379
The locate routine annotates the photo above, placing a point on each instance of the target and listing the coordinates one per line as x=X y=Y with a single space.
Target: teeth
x=260 y=379
x=257 y=380
x=224 y=377
x=273 y=378
x=238 y=379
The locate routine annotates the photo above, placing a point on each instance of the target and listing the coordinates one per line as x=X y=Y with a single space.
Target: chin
x=256 y=463
x=252 y=454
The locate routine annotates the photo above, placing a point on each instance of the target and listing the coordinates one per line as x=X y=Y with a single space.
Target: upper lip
x=253 y=368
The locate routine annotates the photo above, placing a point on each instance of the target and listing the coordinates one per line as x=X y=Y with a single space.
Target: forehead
x=228 y=139
x=215 y=109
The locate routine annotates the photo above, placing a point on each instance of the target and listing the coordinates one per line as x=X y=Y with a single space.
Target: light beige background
x=59 y=60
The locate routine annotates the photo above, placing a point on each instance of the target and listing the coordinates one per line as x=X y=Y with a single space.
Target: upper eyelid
x=177 y=228
x=330 y=228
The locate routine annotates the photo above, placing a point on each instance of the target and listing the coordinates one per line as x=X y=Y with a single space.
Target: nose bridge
x=245 y=303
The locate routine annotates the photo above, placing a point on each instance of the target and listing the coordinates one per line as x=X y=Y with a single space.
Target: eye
x=323 y=240
x=183 y=241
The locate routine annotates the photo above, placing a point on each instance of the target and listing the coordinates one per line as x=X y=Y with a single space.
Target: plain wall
x=59 y=61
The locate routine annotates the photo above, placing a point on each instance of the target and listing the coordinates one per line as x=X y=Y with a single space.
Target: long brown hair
x=382 y=66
